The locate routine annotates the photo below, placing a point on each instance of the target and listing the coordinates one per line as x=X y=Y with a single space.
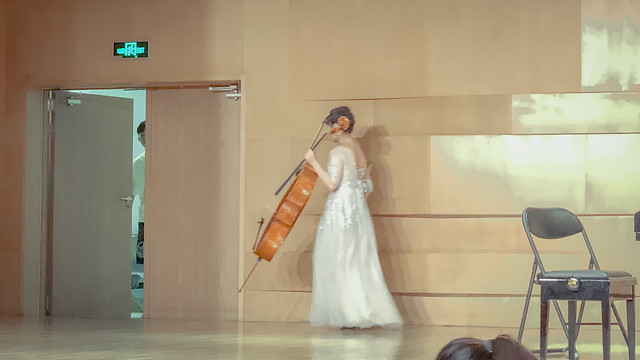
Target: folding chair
x=582 y=285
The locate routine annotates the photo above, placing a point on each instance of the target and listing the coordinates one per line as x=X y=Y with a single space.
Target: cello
x=290 y=206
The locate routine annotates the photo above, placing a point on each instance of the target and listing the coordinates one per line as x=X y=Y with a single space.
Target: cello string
x=295 y=171
x=315 y=137
x=319 y=141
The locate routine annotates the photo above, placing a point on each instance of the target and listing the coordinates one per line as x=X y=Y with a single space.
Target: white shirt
x=138 y=183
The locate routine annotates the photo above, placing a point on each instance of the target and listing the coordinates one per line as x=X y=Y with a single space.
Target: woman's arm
x=322 y=173
x=367 y=187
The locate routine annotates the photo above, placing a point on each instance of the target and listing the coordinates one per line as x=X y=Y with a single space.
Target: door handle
x=128 y=201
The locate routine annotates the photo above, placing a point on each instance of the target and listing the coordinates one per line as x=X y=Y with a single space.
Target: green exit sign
x=131 y=49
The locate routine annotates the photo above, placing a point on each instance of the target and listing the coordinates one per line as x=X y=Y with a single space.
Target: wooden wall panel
x=382 y=49
x=503 y=47
x=443 y=115
x=356 y=52
x=3 y=58
x=402 y=235
x=276 y=306
x=266 y=53
x=453 y=235
x=12 y=170
x=419 y=273
x=210 y=32
x=401 y=169
x=419 y=310
x=301 y=119
x=192 y=207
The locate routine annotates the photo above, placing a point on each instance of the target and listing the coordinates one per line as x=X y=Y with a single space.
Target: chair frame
x=551 y=291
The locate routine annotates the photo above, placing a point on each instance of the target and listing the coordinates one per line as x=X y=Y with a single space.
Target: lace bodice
x=343 y=171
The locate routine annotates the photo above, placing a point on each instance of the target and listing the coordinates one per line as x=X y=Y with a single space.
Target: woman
x=504 y=347
x=349 y=290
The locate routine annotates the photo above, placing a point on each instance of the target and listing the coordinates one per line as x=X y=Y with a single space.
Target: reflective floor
x=24 y=338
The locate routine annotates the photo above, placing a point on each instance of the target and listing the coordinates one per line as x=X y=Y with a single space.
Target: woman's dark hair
x=336 y=113
x=466 y=349
x=141 y=127
x=504 y=347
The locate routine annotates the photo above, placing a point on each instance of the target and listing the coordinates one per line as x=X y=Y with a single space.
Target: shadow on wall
x=376 y=148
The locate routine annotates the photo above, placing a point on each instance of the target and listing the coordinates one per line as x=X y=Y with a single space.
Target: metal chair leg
x=606 y=328
x=572 y=329
x=620 y=323
x=527 y=300
x=582 y=304
x=561 y=317
x=631 y=328
x=544 y=326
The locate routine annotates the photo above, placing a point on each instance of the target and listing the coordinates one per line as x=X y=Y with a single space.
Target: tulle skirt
x=349 y=289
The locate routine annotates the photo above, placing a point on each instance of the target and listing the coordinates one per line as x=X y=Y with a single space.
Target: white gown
x=349 y=289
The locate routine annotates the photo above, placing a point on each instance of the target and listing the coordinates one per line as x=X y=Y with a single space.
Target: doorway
x=222 y=239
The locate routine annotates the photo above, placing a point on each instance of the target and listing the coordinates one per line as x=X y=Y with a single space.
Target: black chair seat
x=585 y=274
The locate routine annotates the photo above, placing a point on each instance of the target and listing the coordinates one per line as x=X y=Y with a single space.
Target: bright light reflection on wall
x=612 y=173
x=505 y=174
x=576 y=113
x=610 y=55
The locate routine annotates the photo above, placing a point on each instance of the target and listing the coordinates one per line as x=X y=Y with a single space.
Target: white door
x=91 y=246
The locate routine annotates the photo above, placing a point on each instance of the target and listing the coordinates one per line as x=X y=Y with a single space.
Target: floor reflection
x=357 y=344
x=87 y=339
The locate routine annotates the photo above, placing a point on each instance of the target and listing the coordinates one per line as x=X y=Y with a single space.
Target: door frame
x=37 y=276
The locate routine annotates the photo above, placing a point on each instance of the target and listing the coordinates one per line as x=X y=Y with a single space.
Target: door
x=91 y=245
x=192 y=199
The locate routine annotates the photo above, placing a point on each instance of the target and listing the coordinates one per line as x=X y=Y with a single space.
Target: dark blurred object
x=636 y=225
x=504 y=347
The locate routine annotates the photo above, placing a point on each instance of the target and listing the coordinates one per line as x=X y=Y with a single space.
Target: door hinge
x=231 y=91
x=51 y=105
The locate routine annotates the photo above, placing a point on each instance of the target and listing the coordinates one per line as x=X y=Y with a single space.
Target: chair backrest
x=551 y=223
x=554 y=223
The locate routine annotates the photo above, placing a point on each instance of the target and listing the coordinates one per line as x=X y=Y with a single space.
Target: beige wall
x=3 y=52
x=10 y=160
x=446 y=95
x=457 y=151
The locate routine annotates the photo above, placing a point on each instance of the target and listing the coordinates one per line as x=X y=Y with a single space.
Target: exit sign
x=131 y=49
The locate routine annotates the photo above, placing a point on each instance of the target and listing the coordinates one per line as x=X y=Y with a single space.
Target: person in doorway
x=138 y=190
x=349 y=290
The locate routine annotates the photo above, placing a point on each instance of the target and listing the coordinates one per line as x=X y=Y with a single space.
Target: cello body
x=287 y=213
